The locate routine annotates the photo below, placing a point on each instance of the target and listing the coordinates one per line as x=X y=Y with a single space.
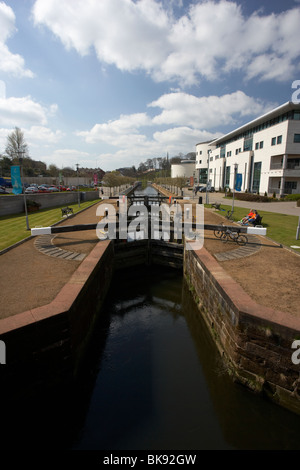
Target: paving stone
x=44 y=244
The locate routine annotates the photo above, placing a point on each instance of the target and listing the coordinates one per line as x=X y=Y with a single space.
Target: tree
x=53 y=170
x=16 y=144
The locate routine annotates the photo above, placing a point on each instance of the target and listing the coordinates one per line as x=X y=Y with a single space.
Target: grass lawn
x=13 y=227
x=281 y=228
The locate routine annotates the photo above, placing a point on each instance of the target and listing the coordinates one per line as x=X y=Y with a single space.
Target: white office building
x=262 y=155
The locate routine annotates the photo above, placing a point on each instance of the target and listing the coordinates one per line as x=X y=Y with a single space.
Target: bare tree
x=16 y=144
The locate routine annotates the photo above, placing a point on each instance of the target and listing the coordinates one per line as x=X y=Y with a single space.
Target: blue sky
x=111 y=83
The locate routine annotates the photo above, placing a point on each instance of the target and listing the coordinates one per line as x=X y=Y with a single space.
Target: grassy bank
x=13 y=228
x=281 y=228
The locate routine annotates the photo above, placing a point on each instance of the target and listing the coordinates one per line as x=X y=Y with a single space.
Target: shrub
x=292 y=197
x=32 y=205
x=252 y=197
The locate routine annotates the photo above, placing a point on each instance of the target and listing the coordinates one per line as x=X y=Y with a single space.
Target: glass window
x=297 y=138
x=297 y=115
x=261 y=144
x=279 y=139
x=256 y=177
x=227 y=177
x=273 y=142
x=256 y=145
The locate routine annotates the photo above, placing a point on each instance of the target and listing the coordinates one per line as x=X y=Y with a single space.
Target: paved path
x=288 y=207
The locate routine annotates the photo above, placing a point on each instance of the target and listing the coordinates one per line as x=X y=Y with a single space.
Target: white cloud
x=205 y=112
x=122 y=131
x=43 y=135
x=10 y=63
x=67 y=157
x=23 y=111
x=213 y=38
x=190 y=118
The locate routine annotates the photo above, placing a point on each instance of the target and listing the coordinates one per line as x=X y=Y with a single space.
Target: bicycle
x=237 y=237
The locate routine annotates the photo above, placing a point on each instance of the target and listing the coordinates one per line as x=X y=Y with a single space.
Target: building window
x=259 y=145
x=229 y=154
x=297 y=115
x=248 y=144
x=279 y=139
x=256 y=177
x=289 y=186
x=227 y=177
x=273 y=142
x=297 y=138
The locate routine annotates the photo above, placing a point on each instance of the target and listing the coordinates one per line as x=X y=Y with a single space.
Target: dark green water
x=160 y=383
x=153 y=380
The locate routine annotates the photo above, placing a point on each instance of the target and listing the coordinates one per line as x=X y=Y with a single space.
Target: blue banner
x=16 y=179
x=238 y=181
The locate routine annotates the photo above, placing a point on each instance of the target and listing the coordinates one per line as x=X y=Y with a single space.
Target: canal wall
x=254 y=341
x=45 y=345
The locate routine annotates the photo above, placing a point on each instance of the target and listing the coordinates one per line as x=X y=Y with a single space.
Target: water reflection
x=152 y=379
x=162 y=385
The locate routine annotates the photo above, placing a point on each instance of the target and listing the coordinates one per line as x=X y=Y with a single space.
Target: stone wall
x=15 y=204
x=255 y=341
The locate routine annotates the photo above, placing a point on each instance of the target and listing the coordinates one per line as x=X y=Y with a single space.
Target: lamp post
x=77 y=166
x=20 y=157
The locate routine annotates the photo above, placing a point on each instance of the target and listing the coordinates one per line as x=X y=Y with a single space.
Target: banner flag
x=238 y=181
x=16 y=179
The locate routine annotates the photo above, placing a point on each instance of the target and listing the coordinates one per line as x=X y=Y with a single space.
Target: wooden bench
x=66 y=211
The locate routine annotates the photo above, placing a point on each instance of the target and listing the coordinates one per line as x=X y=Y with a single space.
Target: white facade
x=184 y=169
x=265 y=153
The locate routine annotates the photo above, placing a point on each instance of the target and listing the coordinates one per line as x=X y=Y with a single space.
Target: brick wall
x=255 y=341
x=45 y=346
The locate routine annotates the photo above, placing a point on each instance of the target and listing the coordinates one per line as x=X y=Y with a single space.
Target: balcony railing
x=276 y=166
x=289 y=166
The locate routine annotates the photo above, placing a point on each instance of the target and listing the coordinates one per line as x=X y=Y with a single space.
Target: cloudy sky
x=111 y=83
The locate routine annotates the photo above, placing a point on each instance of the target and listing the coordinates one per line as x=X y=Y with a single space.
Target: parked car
x=53 y=189
x=61 y=188
x=71 y=188
x=43 y=189
x=210 y=189
x=31 y=190
x=3 y=190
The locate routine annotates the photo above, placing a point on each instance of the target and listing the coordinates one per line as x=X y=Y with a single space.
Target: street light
x=77 y=166
x=20 y=157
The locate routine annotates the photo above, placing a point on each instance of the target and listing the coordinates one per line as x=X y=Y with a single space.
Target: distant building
x=265 y=153
x=184 y=169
